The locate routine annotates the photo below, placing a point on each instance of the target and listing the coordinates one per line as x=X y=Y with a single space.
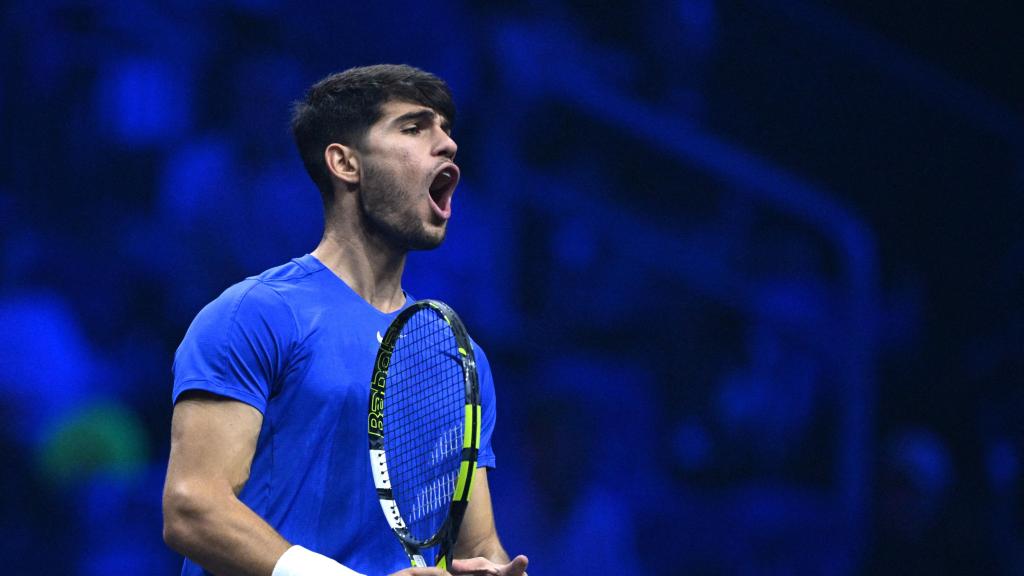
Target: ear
x=343 y=163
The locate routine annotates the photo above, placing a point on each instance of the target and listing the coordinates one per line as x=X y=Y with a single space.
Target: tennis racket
x=424 y=428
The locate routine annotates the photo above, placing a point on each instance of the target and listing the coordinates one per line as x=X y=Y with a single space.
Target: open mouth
x=442 y=188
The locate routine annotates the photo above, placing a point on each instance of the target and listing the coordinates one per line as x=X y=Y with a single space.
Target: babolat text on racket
x=424 y=428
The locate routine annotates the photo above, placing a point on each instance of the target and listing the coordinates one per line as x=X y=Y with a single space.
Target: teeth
x=442 y=180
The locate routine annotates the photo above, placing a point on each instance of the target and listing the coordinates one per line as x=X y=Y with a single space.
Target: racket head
x=424 y=427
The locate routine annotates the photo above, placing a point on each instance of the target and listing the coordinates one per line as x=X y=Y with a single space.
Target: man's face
x=408 y=176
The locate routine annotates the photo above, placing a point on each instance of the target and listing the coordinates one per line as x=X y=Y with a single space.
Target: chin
x=426 y=244
x=427 y=240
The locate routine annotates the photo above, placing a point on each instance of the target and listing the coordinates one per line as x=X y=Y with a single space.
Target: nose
x=446 y=146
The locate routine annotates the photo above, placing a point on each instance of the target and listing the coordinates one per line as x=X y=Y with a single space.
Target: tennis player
x=269 y=472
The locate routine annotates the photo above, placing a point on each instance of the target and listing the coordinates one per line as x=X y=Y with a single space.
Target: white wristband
x=297 y=561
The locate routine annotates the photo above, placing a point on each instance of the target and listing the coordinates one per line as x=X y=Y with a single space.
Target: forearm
x=486 y=547
x=493 y=552
x=478 y=549
x=478 y=536
x=221 y=534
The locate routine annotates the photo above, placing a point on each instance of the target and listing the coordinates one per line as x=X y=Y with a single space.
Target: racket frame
x=447 y=534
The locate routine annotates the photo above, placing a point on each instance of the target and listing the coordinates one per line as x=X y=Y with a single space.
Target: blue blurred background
x=767 y=255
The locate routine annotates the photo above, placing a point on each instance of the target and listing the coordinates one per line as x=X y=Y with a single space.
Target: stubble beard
x=388 y=213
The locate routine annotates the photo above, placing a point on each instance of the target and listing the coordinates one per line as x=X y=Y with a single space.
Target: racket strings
x=423 y=418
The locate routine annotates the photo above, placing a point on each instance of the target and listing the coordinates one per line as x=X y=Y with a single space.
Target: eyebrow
x=422 y=115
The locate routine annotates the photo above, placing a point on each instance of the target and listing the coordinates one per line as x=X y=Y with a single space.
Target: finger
x=476 y=566
x=517 y=567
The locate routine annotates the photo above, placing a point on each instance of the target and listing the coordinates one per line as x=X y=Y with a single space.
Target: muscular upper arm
x=213 y=440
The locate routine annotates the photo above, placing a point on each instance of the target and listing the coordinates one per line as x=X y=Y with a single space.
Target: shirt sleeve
x=237 y=346
x=485 y=457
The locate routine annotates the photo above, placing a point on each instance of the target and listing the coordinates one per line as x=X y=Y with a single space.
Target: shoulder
x=294 y=271
x=264 y=300
x=245 y=299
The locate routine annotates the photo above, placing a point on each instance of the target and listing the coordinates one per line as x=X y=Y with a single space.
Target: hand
x=484 y=567
x=421 y=572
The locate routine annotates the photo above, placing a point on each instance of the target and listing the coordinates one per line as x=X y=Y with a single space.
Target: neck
x=371 y=268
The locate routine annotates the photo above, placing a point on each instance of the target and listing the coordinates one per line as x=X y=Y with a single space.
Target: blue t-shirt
x=298 y=344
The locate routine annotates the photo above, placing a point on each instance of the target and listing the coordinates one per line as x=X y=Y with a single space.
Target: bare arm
x=213 y=440
x=478 y=539
x=212 y=444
